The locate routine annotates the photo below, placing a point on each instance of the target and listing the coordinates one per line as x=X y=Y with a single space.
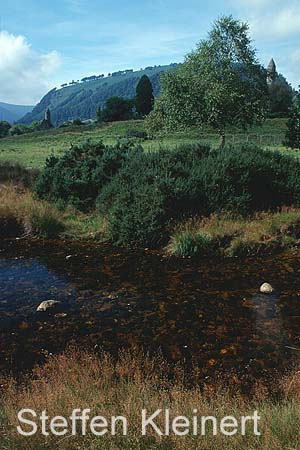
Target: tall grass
x=20 y=213
x=135 y=381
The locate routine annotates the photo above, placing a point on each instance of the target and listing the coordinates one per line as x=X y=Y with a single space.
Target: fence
x=258 y=139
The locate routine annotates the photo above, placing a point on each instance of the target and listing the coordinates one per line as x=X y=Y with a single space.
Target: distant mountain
x=81 y=99
x=12 y=113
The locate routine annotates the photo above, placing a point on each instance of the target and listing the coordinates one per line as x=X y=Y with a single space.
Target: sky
x=46 y=43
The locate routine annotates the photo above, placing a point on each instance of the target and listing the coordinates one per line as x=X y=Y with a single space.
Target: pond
x=204 y=312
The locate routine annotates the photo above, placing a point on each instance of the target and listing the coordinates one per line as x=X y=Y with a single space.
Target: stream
x=204 y=312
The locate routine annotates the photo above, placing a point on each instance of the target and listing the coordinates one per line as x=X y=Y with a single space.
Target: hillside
x=12 y=113
x=81 y=99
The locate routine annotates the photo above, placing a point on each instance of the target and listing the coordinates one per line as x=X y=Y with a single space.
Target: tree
x=292 y=137
x=19 y=129
x=117 y=108
x=219 y=84
x=281 y=96
x=144 y=96
x=4 y=128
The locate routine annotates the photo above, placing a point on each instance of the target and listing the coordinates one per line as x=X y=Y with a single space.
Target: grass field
x=32 y=149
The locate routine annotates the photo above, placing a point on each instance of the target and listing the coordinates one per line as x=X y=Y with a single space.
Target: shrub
x=248 y=179
x=143 y=193
x=19 y=129
x=133 y=133
x=80 y=174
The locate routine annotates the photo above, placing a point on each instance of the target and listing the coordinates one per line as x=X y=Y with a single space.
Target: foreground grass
x=32 y=149
x=237 y=236
x=124 y=387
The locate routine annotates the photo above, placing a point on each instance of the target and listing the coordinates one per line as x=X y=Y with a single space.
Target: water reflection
x=202 y=312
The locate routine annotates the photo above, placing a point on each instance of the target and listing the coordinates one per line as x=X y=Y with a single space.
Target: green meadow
x=31 y=150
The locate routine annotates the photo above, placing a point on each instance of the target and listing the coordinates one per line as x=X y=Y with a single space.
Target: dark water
x=202 y=312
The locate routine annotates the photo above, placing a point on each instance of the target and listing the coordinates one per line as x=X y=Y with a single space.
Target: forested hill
x=81 y=99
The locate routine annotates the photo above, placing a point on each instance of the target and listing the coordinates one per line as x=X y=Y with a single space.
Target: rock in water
x=47 y=304
x=266 y=288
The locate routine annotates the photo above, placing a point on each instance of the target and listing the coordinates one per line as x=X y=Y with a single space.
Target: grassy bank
x=133 y=382
x=21 y=214
x=229 y=236
x=32 y=149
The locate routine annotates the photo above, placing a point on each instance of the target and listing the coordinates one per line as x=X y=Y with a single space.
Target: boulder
x=266 y=288
x=47 y=304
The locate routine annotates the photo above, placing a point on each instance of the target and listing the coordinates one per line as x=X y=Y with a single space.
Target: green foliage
x=292 y=138
x=4 y=128
x=117 y=109
x=134 y=133
x=245 y=179
x=220 y=84
x=144 y=96
x=281 y=95
x=142 y=193
x=19 y=129
x=79 y=175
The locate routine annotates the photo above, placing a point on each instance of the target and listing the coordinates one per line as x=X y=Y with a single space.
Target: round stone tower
x=271 y=72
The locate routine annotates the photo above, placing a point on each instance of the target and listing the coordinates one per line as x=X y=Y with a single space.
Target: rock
x=266 y=288
x=47 y=304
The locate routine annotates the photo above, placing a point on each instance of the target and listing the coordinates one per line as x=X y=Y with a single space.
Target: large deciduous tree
x=281 y=96
x=144 y=96
x=220 y=84
x=117 y=108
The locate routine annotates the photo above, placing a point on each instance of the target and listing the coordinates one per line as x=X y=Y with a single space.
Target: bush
x=18 y=129
x=80 y=174
x=143 y=193
x=133 y=133
x=247 y=179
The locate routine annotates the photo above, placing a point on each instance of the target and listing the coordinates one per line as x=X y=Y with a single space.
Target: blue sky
x=45 y=43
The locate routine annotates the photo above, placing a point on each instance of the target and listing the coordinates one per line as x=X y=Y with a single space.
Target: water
x=201 y=312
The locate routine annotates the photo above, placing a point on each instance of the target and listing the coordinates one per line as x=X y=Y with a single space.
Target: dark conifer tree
x=144 y=96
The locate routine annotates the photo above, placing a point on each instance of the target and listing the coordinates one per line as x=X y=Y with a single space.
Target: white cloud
x=287 y=21
x=24 y=73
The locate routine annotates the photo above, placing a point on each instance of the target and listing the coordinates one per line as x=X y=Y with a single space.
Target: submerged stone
x=47 y=304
